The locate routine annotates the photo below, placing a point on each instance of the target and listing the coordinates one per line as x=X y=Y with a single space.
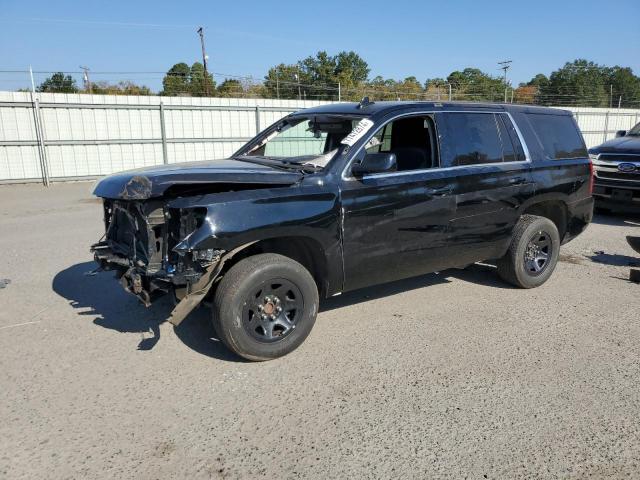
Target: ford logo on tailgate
x=627 y=167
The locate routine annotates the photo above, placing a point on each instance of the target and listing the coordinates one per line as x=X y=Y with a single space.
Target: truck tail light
x=591 y=177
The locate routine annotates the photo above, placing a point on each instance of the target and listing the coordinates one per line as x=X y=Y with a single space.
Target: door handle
x=517 y=181
x=439 y=192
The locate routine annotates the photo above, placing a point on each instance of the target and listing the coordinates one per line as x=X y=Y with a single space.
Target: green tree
x=121 y=88
x=473 y=84
x=410 y=89
x=199 y=84
x=585 y=83
x=58 y=83
x=317 y=77
x=176 y=80
x=282 y=81
x=431 y=83
x=354 y=66
x=382 y=89
x=436 y=89
x=534 y=90
x=579 y=83
x=351 y=72
x=230 y=88
x=624 y=85
x=540 y=81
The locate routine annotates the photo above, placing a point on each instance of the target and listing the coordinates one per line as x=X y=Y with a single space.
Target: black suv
x=617 y=171
x=344 y=196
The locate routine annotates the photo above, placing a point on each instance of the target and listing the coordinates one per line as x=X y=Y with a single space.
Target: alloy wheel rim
x=272 y=310
x=537 y=255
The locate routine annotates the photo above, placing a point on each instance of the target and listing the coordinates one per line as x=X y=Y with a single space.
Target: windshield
x=635 y=131
x=308 y=141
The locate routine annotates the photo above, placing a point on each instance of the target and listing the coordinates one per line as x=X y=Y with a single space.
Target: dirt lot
x=448 y=375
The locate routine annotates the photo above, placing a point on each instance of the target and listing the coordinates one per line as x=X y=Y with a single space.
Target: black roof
x=352 y=108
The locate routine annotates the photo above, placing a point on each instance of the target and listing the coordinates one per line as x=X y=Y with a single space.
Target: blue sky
x=397 y=39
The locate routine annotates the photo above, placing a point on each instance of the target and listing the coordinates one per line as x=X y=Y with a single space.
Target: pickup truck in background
x=617 y=172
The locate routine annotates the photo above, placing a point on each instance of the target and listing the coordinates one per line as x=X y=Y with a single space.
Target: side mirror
x=375 y=163
x=621 y=133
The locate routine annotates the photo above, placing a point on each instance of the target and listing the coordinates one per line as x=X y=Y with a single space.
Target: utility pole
x=33 y=83
x=85 y=78
x=297 y=75
x=610 y=96
x=204 y=61
x=504 y=66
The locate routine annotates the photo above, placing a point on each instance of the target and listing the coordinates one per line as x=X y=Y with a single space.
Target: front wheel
x=533 y=253
x=265 y=306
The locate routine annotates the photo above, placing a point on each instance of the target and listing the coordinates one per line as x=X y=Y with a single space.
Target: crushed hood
x=150 y=182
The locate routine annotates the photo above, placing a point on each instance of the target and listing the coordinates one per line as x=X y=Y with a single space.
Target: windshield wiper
x=258 y=161
x=282 y=164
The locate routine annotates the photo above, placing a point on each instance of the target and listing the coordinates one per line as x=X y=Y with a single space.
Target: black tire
x=524 y=264
x=265 y=283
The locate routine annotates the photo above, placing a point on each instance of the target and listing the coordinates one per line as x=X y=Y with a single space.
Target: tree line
x=346 y=76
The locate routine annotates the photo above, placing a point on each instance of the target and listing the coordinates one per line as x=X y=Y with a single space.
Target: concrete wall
x=93 y=135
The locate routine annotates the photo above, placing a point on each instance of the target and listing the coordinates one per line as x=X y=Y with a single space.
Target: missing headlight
x=208 y=255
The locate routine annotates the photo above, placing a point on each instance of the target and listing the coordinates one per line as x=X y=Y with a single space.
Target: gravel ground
x=447 y=375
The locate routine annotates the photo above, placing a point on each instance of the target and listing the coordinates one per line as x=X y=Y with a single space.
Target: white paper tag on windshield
x=358 y=132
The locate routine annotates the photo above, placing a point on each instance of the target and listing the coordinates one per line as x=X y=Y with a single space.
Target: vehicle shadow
x=480 y=274
x=615 y=259
x=616 y=219
x=102 y=297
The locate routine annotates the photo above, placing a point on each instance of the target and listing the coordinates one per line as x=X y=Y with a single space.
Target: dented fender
x=234 y=219
x=199 y=290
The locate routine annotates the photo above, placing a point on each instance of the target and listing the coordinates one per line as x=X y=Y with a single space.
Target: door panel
x=395 y=226
x=487 y=203
x=403 y=224
x=492 y=180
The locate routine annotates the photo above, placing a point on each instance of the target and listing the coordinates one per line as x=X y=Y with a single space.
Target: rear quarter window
x=558 y=135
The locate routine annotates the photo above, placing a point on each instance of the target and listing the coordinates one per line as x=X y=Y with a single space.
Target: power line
x=93 y=22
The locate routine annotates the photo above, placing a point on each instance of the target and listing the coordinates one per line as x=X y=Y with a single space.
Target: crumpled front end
x=140 y=246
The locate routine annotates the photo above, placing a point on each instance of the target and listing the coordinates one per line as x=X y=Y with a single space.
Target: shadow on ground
x=617 y=219
x=101 y=297
x=480 y=274
x=615 y=259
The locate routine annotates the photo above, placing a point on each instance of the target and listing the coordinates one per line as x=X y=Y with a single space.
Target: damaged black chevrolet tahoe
x=345 y=196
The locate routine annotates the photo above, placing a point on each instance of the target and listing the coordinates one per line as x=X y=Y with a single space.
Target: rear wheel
x=533 y=253
x=265 y=306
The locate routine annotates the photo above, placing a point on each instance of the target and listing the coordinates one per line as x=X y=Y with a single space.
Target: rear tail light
x=591 y=177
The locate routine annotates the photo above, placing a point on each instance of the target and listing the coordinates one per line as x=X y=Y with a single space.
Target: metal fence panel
x=94 y=135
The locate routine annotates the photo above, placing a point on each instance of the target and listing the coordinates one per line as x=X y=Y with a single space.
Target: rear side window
x=473 y=138
x=558 y=135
